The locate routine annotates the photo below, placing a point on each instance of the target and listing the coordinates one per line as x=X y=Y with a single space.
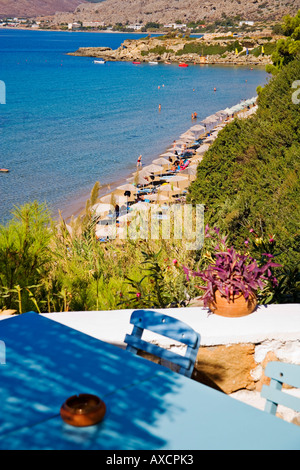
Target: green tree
x=288 y=49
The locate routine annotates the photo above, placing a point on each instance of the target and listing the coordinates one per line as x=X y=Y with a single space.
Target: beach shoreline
x=76 y=208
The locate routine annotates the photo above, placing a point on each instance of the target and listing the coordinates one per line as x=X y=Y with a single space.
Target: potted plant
x=232 y=280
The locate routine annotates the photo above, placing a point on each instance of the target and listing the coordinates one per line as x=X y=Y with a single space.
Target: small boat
x=151 y=62
x=100 y=61
x=4 y=170
x=167 y=62
x=136 y=62
x=182 y=64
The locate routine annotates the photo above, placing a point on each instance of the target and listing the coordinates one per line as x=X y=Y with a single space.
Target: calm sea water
x=68 y=122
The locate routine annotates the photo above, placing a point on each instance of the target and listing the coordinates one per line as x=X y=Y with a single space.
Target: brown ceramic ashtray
x=83 y=410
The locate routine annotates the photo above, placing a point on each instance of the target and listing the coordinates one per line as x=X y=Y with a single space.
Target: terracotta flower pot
x=236 y=307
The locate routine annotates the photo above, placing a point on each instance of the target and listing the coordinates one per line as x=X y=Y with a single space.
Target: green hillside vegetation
x=209 y=49
x=287 y=49
x=249 y=178
x=48 y=266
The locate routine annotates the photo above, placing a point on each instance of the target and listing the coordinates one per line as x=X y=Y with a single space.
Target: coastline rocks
x=152 y=49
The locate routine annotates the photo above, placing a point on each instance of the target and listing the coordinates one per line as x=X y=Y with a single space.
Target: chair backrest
x=169 y=327
x=280 y=373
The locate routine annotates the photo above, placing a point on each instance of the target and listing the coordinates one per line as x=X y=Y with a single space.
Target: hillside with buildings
x=31 y=8
x=184 y=11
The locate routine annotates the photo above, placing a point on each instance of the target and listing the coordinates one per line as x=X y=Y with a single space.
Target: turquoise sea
x=68 y=122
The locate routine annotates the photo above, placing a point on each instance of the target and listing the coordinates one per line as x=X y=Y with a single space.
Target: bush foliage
x=249 y=178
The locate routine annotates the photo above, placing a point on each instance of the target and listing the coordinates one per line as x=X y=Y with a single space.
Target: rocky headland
x=175 y=50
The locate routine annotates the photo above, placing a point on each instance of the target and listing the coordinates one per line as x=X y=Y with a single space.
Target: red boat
x=183 y=65
x=135 y=62
x=4 y=170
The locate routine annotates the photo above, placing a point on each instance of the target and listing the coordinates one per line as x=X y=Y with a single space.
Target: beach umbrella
x=197 y=131
x=187 y=137
x=101 y=209
x=161 y=161
x=202 y=149
x=125 y=218
x=127 y=190
x=168 y=154
x=106 y=199
x=154 y=168
x=190 y=170
x=127 y=187
x=104 y=231
x=169 y=188
x=222 y=114
x=177 y=179
x=142 y=172
x=140 y=206
x=157 y=197
x=210 y=122
x=139 y=180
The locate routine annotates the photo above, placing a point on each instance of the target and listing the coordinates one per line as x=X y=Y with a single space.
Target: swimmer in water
x=139 y=162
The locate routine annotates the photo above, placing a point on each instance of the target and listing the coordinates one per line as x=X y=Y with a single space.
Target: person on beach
x=139 y=162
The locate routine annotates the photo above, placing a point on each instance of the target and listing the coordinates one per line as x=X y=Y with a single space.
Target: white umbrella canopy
x=143 y=172
x=153 y=168
x=157 y=197
x=140 y=206
x=103 y=232
x=176 y=178
x=127 y=187
x=139 y=180
x=202 y=149
x=190 y=170
x=197 y=128
x=197 y=131
x=101 y=208
x=161 y=161
x=168 y=154
x=107 y=199
x=169 y=188
x=222 y=114
x=187 y=137
x=125 y=217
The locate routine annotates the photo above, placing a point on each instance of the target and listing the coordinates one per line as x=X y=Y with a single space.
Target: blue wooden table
x=148 y=406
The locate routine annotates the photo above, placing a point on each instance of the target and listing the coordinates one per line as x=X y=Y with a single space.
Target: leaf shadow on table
x=47 y=362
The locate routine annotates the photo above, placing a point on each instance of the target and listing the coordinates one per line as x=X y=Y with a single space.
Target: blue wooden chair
x=280 y=373
x=169 y=327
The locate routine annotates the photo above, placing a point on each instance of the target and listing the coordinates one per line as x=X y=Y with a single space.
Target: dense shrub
x=249 y=178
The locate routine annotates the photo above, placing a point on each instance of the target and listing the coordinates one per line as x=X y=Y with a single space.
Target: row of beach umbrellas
x=173 y=184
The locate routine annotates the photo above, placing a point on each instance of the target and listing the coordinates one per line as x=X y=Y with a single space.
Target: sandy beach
x=211 y=126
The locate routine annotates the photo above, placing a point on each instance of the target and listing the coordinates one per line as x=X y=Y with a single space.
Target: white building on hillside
x=248 y=23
